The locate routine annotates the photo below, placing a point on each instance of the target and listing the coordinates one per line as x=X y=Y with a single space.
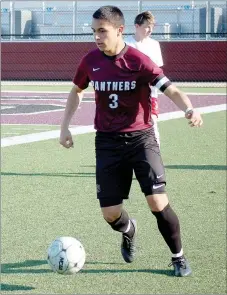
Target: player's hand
x=66 y=138
x=194 y=118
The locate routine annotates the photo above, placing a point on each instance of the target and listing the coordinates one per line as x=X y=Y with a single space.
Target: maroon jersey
x=122 y=88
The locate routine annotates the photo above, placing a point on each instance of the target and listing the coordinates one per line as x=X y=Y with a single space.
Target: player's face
x=106 y=35
x=145 y=29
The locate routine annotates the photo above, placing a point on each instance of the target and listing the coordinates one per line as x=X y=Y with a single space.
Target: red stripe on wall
x=183 y=61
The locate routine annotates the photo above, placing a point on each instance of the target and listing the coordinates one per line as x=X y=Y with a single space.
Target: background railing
x=47 y=20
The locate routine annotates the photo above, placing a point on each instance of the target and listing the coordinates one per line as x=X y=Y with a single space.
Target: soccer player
x=125 y=140
x=144 y=24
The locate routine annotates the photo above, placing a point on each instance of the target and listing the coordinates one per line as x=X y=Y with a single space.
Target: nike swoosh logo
x=96 y=69
x=159 y=176
x=155 y=186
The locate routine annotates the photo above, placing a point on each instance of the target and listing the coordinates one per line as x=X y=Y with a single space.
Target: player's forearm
x=178 y=97
x=72 y=104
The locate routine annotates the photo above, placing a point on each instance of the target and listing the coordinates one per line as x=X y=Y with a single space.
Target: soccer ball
x=66 y=255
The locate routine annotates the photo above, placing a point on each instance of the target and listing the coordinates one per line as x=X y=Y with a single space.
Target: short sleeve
x=81 y=78
x=154 y=75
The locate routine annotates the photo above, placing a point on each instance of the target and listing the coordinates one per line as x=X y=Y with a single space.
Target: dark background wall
x=184 y=61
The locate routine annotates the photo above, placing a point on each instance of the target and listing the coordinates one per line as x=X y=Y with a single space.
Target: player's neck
x=117 y=49
x=139 y=38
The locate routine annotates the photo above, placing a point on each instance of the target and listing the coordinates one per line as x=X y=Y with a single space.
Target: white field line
x=35 y=113
x=11 y=133
x=87 y=93
x=7 y=107
x=34 y=91
x=202 y=94
x=202 y=110
x=34 y=137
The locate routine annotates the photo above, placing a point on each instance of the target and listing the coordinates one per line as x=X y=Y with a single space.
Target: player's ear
x=120 y=30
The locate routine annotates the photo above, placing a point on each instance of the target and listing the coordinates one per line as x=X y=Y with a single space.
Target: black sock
x=169 y=227
x=121 y=224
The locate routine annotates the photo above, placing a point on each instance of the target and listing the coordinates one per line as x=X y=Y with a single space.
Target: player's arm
x=73 y=101
x=155 y=76
x=81 y=81
x=178 y=97
x=183 y=102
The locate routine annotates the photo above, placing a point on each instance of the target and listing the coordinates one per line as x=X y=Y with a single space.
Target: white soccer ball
x=66 y=255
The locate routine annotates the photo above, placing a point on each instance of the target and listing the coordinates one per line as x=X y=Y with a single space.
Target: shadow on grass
x=8 y=287
x=197 y=167
x=26 y=267
x=106 y=263
x=88 y=166
x=151 y=271
x=186 y=167
x=92 y=174
x=82 y=174
x=49 y=174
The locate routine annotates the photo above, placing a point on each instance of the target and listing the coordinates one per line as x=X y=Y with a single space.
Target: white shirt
x=151 y=48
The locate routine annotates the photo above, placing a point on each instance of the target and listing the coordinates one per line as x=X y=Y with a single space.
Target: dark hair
x=112 y=14
x=144 y=16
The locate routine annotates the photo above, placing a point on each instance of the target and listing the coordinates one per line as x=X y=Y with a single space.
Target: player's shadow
x=88 y=166
x=145 y=270
x=8 y=287
x=106 y=263
x=26 y=266
x=197 y=167
x=46 y=174
x=92 y=174
x=190 y=167
x=86 y=270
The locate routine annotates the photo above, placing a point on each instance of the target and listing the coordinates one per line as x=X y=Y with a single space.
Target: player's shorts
x=154 y=106
x=118 y=155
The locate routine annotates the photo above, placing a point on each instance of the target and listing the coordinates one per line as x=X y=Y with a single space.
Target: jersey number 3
x=114 y=103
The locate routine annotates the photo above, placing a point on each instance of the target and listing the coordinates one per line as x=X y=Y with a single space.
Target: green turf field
x=48 y=191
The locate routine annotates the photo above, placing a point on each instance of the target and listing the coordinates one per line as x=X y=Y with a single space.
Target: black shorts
x=118 y=155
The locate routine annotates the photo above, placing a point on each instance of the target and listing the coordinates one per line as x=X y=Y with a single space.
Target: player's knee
x=157 y=202
x=110 y=214
x=111 y=217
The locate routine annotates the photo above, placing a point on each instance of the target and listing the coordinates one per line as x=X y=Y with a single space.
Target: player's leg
x=150 y=173
x=113 y=180
x=119 y=220
x=169 y=227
